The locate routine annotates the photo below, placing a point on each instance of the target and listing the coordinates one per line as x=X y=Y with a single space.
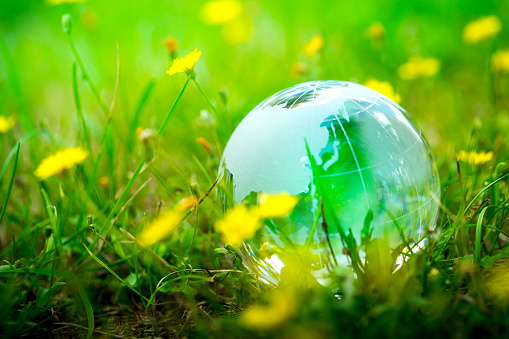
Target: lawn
x=114 y=210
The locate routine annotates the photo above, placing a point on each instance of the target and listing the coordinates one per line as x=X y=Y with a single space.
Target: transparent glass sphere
x=370 y=155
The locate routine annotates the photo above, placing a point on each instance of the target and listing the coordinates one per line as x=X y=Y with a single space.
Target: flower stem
x=172 y=109
x=87 y=78
x=214 y=111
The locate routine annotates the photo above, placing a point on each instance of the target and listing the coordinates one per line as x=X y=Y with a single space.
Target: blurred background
x=253 y=49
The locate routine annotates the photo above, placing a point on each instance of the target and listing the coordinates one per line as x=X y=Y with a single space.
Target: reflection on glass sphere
x=370 y=157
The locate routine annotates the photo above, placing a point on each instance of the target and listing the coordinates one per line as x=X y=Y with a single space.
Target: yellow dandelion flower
x=185 y=64
x=7 y=123
x=275 y=206
x=238 y=224
x=160 y=228
x=500 y=61
x=277 y=312
x=376 y=31
x=314 y=46
x=60 y=161
x=383 y=87
x=221 y=12
x=474 y=158
x=418 y=67
x=481 y=29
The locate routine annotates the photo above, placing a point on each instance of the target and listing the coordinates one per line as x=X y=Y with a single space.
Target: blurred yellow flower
x=238 y=224
x=237 y=31
x=383 y=87
x=474 y=158
x=59 y=2
x=60 y=161
x=494 y=281
x=376 y=31
x=275 y=206
x=418 y=67
x=160 y=228
x=314 y=46
x=500 y=61
x=298 y=68
x=185 y=64
x=278 y=311
x=187 y=203
x=7 y=123
x=481 y=29
x=221 y=11
x=104 y=181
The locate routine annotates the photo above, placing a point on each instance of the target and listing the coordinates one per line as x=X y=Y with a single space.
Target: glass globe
x=371 y=158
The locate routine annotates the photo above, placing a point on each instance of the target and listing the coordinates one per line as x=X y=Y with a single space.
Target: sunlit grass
x=127 y=233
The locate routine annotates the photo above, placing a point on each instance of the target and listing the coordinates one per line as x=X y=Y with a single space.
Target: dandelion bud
x=66 y=23
x=171 y=45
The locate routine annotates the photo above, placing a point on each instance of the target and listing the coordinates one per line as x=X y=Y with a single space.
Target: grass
x=70 y=263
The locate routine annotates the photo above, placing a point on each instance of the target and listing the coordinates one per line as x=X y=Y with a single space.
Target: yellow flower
x=7 y=123
x=376 y=31
x=185 y=64
x=237 y=31
x=314 y=46
x=278 y=311
x=500 y=61
x=221 y=11
x=187 y=203
x=481 y=29
x=475 y=158
x=275 y=206
x=238 y=224
x=418 y=67
x=160 y=228
x=494 y=280
x=60 y=161
x=59 y=2
x=298 y=68
x=383 y=87
x=104 y=181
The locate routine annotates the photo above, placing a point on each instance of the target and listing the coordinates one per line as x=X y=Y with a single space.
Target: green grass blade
x=100 y=262
x=13 y=151
x=87 y=305
x=482 y=191
x=4 y=207
x=349 y=241
x=79 y=111
x=147 y=91
x=126 y=190
x=87 y=78
x=172 y=110
x=478 y=230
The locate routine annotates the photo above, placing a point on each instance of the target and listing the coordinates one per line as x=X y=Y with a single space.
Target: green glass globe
x=370 y=156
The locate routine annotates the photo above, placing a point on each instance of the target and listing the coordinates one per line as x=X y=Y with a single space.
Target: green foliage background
x=47 y=286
